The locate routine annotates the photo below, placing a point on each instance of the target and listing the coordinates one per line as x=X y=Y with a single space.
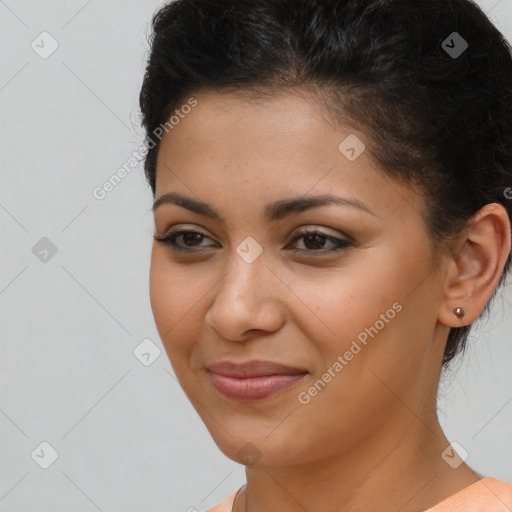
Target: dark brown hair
x=428 y=81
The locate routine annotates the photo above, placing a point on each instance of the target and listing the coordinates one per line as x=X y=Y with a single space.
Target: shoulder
x=227 y=504
x=487 y=495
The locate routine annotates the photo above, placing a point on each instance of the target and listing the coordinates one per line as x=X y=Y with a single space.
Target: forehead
x=221 y=120
x=270 y=148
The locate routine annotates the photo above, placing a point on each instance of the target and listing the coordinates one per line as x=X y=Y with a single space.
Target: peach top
x=487 y=495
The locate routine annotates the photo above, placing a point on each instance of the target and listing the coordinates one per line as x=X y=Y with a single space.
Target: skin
x=370 y=439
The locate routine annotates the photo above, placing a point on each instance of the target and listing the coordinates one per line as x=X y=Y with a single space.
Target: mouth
x=253 y=380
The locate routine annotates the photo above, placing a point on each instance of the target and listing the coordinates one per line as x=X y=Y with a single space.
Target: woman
x=332 y=182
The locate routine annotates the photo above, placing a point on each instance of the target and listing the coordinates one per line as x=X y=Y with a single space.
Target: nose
x=247 y=300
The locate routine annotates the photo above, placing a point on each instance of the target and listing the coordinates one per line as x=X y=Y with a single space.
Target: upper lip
x=253 y=369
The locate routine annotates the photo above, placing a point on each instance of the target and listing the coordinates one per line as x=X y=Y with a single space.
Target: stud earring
x=459 y=312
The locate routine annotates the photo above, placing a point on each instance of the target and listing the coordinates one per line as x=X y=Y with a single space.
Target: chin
x=254 y=446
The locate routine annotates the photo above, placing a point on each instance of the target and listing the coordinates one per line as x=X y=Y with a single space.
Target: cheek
x=360 y=312
x=175 y=303
x=335 y=307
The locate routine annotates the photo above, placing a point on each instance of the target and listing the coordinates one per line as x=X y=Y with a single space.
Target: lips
x=253 y=369
x=253 y=380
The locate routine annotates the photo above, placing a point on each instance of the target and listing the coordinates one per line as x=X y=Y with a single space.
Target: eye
x=193 y=237
x=313 y=240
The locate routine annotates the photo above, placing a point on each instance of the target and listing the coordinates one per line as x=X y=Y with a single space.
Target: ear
x=476 y=264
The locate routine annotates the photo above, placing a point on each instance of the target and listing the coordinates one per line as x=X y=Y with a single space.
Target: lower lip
x=253 y=388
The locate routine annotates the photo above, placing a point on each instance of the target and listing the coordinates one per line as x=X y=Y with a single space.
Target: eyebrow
x=273 y=211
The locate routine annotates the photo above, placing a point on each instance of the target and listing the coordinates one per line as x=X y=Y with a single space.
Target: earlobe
x=476 y=268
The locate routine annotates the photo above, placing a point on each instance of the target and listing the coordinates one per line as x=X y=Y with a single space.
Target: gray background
x=127 y=437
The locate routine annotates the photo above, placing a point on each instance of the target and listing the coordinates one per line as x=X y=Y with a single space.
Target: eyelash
x=170 y=240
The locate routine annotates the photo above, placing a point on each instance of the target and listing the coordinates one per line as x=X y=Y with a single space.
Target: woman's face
x=360 y=320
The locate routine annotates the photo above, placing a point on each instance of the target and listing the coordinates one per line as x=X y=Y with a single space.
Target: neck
x=399 y=468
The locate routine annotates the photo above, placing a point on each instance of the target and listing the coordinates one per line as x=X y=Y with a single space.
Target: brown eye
x=190 y=239
x=314 y=241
